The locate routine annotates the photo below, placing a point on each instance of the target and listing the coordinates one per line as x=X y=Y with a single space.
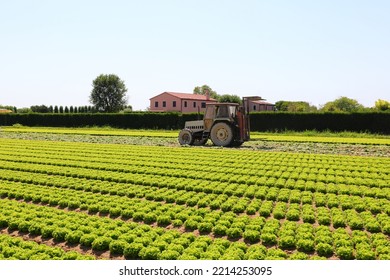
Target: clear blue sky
x=314 y=51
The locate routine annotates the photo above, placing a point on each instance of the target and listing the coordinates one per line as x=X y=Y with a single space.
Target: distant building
x=260 y=105
x=179 y=102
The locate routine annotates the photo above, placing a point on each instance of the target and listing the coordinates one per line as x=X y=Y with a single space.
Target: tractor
x=226 y=124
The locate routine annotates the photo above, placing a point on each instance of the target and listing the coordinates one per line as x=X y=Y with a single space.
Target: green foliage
x=252 y=235
x=87 y=239
x=229 y=98
x=117 y=246
x=149 y=253
x=132 y=250
x=324 y=249
x=203 y=89
x=294 y=106
x=342 y=104
x=382 y=105
x=108 y=93
x=101 y=243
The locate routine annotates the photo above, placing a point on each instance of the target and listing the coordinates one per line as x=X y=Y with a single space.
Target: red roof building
x=179 y=102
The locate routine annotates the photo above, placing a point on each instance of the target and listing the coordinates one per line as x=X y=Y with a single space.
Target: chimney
x=207 y=94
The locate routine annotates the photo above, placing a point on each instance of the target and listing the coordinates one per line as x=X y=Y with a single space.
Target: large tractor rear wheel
x=185 y=137
x=221 y=134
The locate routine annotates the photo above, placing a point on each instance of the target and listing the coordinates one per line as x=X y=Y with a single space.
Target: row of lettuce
x=89 y=195
x=16 y=248
x=374 y=122
x=141 y=241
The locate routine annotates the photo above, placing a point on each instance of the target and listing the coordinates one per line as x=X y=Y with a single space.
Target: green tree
x=342 y=104
x=108 y=93
x=294 y=106
x=203 y=89
x=40 y=109
x=282 y=105
x=231 y=98
x=382 y=105
x=56 y=109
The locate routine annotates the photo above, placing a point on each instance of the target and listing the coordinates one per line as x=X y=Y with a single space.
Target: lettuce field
x=62 y=199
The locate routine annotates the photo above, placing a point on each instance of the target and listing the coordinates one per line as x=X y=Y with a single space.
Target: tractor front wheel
x=221 y=134
x=185 y=137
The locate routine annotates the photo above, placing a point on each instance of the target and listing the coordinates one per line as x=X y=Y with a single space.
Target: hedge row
x=374 y=122
x=265 y=121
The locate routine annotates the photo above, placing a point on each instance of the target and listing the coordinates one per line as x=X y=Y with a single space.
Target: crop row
x=197 y=192
x=278 y=176
x=192 y=197
x=142 y=241
x=205 y=220
x=15 y=248
x=252 y=161
x=174 y=190
x=164 y=179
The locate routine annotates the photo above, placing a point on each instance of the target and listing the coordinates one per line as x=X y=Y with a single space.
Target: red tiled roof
x=190 y=96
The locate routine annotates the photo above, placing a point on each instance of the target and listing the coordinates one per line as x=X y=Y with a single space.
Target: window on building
x=194 y=104
x=254 y=107
x=164 y=104
x=203 y=104
x=173 y=103
x=156 y=104
x=185 y=104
